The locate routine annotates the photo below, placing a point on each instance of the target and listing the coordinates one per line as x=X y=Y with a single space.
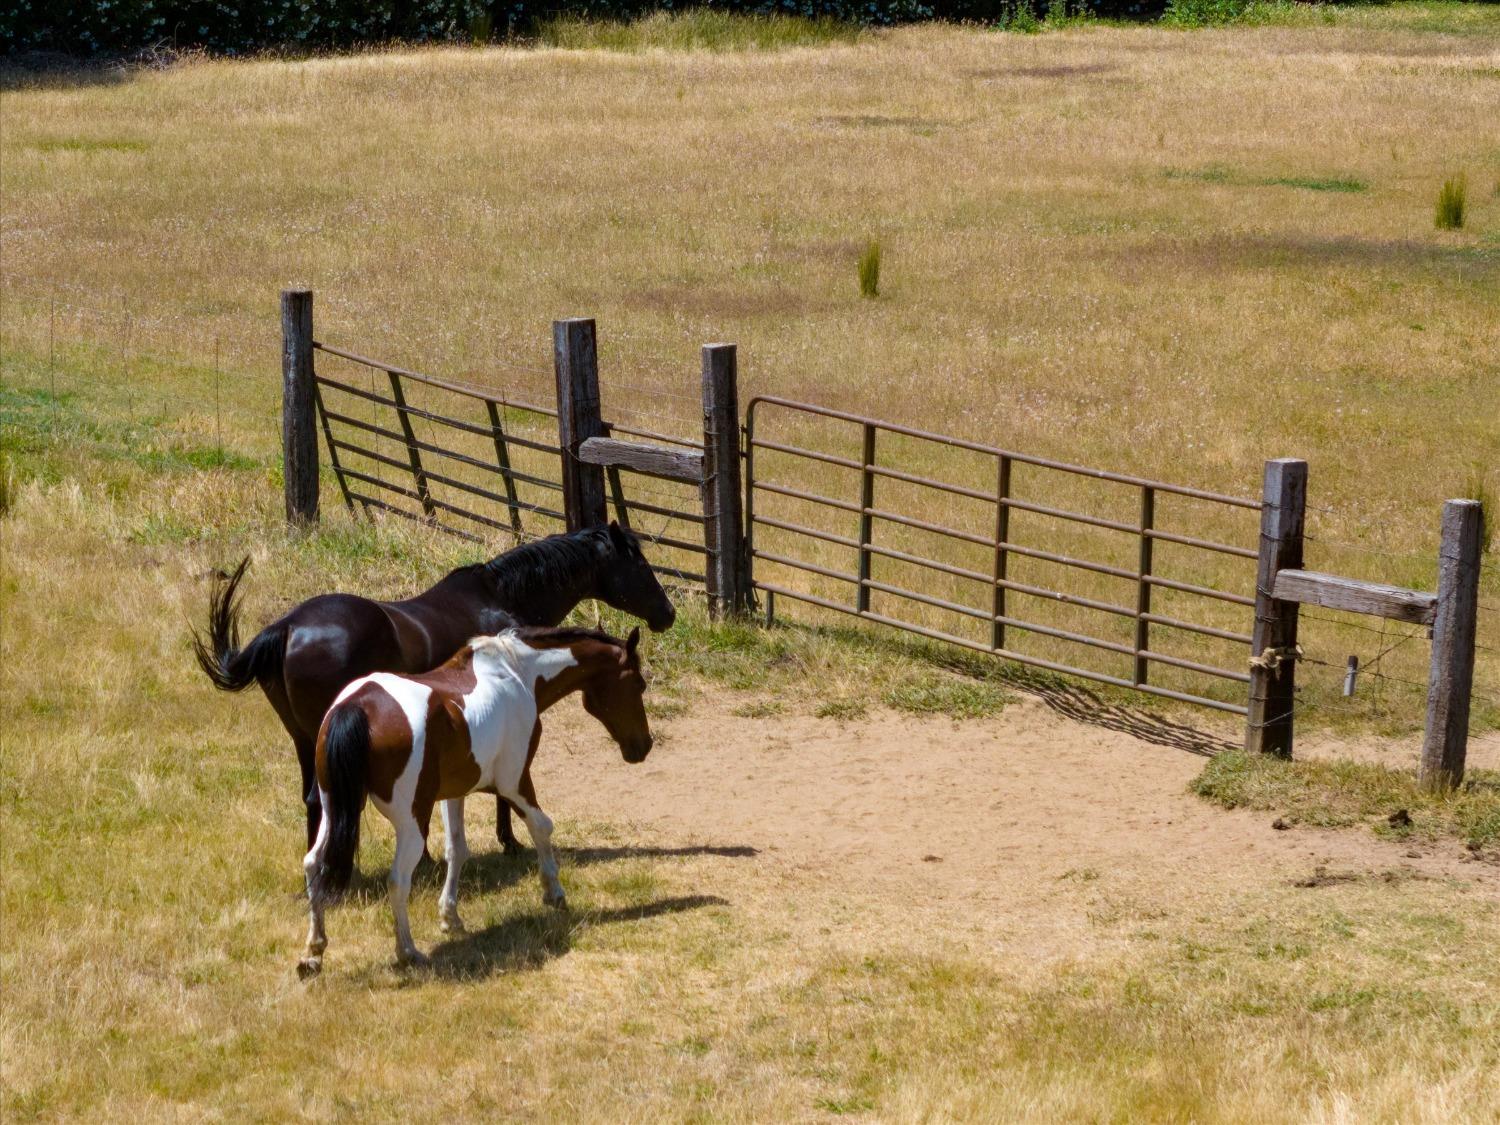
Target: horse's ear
x=632 y=640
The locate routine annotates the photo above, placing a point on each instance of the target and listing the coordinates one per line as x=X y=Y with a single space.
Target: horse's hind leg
x=317 y=938
x=408 y=851
x=504 y=830
x=458 y=852
x=312 y=802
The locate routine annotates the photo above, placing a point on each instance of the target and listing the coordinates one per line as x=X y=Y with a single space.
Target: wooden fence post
x=1445 y=744
x=299 y=423
x=576 y=362
x=728 y=571
x=1273 y=667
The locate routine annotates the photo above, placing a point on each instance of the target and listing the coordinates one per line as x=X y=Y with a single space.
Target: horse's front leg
x=539 y=824
x=458 y=851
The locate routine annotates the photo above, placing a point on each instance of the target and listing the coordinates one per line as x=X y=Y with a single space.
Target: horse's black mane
x=524 y=572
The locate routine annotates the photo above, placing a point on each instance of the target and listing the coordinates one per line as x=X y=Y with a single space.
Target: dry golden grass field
x=857 y=878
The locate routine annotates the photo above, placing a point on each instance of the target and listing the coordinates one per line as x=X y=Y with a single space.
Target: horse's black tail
x=346 y=754
x=230 y=667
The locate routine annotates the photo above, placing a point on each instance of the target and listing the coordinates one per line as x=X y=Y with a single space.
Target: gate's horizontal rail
x=340 y=443
x=996 y=451
x=441 y=384
x=659 y=510
x=1004 y=654
x=432 y=416
x=425 y=521
x=1013 y=622
x=393 y=435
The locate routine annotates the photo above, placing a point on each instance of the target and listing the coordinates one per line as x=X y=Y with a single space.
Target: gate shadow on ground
x=528 y=941
x=1084 y=706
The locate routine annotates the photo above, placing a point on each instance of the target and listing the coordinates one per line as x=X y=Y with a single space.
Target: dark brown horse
x=305 y=658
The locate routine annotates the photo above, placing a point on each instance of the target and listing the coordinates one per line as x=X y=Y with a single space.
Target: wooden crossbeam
x=652 y=460
x=1333 y=591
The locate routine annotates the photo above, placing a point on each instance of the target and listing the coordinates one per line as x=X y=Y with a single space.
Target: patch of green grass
x=1319 y=183
x=1340 y=794
x=759 y=709
x=933 y=694
x=697 y=29
x=87 y=145
x=843 y=709
x=40 y=422
x=1220 y=174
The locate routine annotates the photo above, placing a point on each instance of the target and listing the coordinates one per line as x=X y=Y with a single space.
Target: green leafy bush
x=1203 y=13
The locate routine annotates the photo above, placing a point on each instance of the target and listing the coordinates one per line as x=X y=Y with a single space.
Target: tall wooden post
x=1273 y=668
x=576 y=362
x=299 y=424
x=728 y=571
x=1451 y=679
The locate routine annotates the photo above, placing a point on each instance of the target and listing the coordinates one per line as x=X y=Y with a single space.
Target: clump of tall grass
x=1449 y=214
x=869 y=270
x=1478 y=487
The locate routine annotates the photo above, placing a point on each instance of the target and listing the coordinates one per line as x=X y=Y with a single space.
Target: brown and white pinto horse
x=408 y=742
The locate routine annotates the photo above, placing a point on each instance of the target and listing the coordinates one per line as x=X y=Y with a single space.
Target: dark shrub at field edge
x=129 y=26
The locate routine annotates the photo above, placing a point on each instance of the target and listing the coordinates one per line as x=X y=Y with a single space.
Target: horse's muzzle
x=663 y=622
x=636 y=752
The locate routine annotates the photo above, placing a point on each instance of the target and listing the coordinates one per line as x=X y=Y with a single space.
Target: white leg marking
x=458 y=852
x=317 y=938
x=539 y=824
x=408 y=853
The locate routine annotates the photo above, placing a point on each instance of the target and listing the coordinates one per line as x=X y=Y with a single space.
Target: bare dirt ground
x=1020 y=829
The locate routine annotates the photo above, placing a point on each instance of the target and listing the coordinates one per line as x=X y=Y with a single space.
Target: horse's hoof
x=558 y=903
x=452 y=925
x=309 y=967
x=511 y=847
x=414 y=960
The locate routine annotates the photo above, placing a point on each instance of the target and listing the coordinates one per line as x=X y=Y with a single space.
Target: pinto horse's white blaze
x=473 y=724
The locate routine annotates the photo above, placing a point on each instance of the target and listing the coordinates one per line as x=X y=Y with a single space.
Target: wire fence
x=211 y=381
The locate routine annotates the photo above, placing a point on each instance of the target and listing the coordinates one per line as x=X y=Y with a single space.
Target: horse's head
x=627 y=582
x=613 y=695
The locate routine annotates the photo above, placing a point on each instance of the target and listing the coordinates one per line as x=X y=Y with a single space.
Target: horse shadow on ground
x=495 y=870
x=528 y=941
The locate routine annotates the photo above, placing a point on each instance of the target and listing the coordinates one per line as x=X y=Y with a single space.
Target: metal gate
x=980 y=561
